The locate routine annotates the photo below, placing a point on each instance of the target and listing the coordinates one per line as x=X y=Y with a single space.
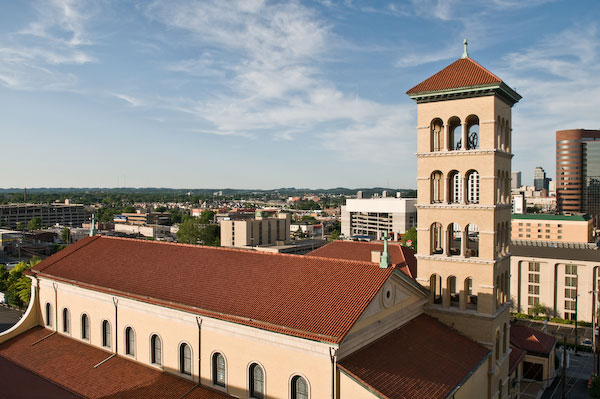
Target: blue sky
x=262 y=94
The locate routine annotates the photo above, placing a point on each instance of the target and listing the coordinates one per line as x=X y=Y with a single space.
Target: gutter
x=332 y=352
x=116 y=301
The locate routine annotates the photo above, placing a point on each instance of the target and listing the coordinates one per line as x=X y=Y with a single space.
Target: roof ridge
x=228 y=249
x=60 y=256
x=482 y=67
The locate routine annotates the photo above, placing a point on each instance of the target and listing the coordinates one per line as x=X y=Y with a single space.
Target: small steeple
x=93 y=226
x=465 y=53
x=384 y=263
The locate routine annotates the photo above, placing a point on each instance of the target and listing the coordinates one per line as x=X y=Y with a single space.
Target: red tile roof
x=462 y=73
x=516 y=356
x=423 y=359
x=531 y=340
x=311 y=297
x=68 y=365
x=401 y=257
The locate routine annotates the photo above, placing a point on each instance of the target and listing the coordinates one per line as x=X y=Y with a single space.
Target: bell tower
x=463 y=205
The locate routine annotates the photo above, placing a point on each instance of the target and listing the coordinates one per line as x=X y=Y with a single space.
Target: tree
x=209 y=235
x=334 y=235
x=538 y=308
x=207 y=216
x=20 y=226
x=65 y=234
x=594 y=387
x=18 y=286
x=410 y=235
x=189 y=231
x=34 y=224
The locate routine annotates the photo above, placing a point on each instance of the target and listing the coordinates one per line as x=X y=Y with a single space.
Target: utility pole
x=564 y=368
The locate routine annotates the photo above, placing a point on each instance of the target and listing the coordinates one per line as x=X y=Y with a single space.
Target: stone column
x=464 y=190
x=447 y=240
x=463 y=242
x=464 y=135
x=446 y=189
x=445 y=137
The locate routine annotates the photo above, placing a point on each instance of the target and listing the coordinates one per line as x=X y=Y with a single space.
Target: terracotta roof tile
x=531 y=340
x=423 y=359
x=68 y=365
x=462 y=73
x=402 y=257
x=311 y=297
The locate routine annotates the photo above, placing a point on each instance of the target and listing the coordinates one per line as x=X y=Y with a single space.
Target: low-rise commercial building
x=72 y=215
x=552 y=228
x=374 y=217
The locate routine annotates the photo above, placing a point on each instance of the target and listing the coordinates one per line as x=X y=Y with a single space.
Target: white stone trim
x=250 y=363
x=179 y=372
x=455 y=259
x=290 y=384
x=135 y=342
x=212 y=371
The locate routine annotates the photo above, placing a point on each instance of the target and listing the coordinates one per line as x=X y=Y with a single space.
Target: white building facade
x=374 y=216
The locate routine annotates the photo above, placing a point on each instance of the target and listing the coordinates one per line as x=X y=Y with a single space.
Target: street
x=8 y=317
x=581 y=367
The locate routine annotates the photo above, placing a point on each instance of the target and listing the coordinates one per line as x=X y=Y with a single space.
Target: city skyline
x=264 y=95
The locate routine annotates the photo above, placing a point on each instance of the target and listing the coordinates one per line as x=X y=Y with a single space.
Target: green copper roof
x=546 y=216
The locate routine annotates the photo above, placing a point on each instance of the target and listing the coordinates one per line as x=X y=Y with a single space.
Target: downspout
x=55 y=307
x=199 y=322
x=332 y=357
x=116 y=301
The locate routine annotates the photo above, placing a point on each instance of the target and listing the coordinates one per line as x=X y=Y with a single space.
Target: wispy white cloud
x=30 y=58
x=133 y=101
x=272 y=57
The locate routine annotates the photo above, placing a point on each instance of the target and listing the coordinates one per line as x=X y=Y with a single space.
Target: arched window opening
x=218 y=365
x=436 y=239
x=506 y=237
x=507 y=136
x=498 y=292
x=129 y=341
x=473 y=187
x=156 y=350
x=454 y=298
x=257 y=381
x=472 y=132
x=500 y=389
x=471 y=299
x=454 y=133
x=435 y=287
x=437 y=187
x=472 y=241
x=66 y=320
x=106 y=341
x=502 y=134
x=497 y=345
x=437 y=142
x=299 y=388
x=504 y=338
x=455 y=187
x=48 y=314
x=455 y=237
x=185 y=359
x=85 y=326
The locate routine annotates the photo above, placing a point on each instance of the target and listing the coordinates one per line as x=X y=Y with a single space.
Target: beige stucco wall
x=552 y=230
x=31 y=318
x=475 y=385
x=552 y=284
x=350 y=388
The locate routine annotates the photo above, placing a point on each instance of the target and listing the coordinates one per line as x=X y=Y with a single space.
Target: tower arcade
x=463 y=205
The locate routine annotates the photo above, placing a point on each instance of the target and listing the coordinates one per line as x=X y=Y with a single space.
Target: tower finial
x=385 y=256
x=465 y=54
x=93 y=226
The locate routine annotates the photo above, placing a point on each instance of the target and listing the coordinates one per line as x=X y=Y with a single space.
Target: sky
x=269 y=94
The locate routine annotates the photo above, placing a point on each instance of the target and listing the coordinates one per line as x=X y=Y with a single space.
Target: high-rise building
x=464 y=132
x=515 y=181
x=578 y=172
x=540 y=182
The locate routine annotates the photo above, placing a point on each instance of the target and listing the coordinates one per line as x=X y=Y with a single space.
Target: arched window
x=437 y=187
x=299 y=388
x=455 y=187
x=507 y=136
x=106 y=338
x=48 y=314
x=473 y=187
x=454 y=298
x=185 y=359
x=435 y=287
x=155 y=350
x=472 y=240
x=472 y=132
x=455 y=237
x=257 y=381
x=129 y=341
x=218 y=369
x=66 y=320
x=497 y=345
x=437 y=127
x=471 y=300
x=436 y=239
x=85 y=326
x=504 y=338
x=454 y=133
